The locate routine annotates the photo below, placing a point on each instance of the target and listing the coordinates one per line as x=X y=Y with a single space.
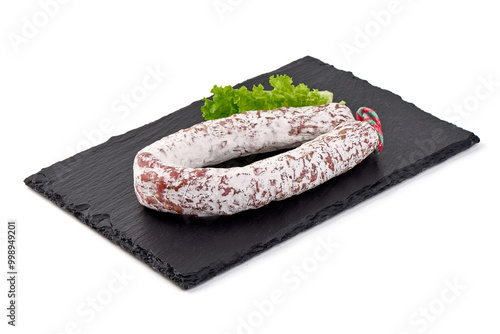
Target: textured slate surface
x=96 y=185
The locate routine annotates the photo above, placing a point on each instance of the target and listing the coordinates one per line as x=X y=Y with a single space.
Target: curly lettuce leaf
x=228 y=101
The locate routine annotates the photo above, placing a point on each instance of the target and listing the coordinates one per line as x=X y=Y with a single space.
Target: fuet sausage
x=169 y=175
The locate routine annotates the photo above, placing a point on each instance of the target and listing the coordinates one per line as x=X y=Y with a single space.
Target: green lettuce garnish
x=228 y=101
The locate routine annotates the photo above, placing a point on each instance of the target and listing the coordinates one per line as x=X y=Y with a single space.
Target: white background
x=396 y=251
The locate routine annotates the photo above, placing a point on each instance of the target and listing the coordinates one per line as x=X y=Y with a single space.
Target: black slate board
x=96 y=185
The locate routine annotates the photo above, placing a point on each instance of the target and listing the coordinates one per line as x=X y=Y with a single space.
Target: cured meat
x=170 y=176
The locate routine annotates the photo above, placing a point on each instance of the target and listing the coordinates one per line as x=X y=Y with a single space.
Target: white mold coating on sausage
x=169 y=174
x=255 y=131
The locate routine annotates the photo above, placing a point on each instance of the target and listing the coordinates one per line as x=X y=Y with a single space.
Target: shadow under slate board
x=96 y=185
